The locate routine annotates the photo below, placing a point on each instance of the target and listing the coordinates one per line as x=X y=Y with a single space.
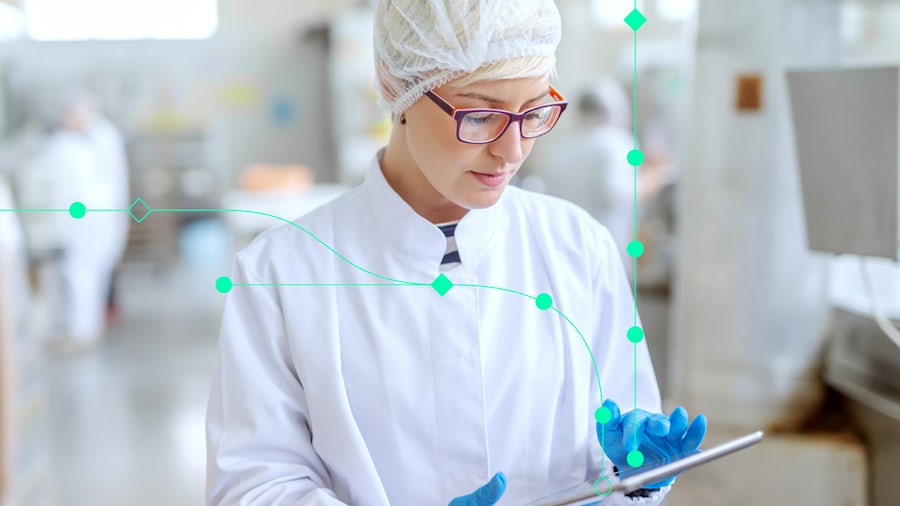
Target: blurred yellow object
x=241 y=95
x=275 y=177
x=381 y=129
x=167 y=121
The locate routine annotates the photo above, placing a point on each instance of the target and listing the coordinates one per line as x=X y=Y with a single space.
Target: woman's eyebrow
x=493 y=100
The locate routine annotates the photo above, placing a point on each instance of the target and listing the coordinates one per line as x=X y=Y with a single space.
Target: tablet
x=584 y=493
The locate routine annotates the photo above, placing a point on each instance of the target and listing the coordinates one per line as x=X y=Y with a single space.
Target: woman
x=442 y=365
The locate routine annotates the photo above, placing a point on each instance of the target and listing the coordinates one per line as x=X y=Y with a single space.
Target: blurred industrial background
x=767 y=202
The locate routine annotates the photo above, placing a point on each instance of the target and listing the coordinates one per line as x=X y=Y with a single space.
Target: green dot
x=224 y=284
x=635 y=157
x=635 y=334
x=635 y=249
x=77 y=210
x=544 y=301
x=603 y=415
x=635 y=458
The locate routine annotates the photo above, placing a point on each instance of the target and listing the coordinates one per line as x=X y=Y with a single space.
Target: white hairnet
x=422 y=44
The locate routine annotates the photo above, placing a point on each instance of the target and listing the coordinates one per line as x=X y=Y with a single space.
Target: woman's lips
x=491 y=180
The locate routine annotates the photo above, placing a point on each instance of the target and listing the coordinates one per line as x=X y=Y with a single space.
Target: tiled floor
x=127 y=418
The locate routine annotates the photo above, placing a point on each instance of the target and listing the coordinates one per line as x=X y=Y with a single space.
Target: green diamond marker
x=441 y=285
x=147 y=210
x=635 y=20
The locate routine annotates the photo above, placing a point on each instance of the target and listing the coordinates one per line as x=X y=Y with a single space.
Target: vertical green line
x=635 y=270
x=635 y=395
x=634 y=90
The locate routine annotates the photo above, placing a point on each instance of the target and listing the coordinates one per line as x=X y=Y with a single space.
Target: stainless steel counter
x=864 y=365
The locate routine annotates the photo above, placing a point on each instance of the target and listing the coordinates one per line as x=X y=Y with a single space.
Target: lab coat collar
x=417 y=238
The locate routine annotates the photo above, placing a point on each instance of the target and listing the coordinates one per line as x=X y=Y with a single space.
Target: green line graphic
x=279 y=218
x=331 y=284
x=635 y=20
x=224 y=284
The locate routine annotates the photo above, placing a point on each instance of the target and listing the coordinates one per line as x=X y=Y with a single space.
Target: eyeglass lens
x=483 y=126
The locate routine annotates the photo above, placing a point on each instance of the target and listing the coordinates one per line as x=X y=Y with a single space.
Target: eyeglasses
x=482 y=126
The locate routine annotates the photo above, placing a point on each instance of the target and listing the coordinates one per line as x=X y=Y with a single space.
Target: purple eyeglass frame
x=511 y=117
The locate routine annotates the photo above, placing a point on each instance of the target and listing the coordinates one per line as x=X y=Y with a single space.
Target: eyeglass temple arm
x=449 y=109
x=555 y=94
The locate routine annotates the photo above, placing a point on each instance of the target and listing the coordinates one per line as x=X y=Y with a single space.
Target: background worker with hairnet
x=421 y=383
x=81 y=159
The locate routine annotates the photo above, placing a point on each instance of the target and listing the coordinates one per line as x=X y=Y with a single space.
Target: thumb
x=490 y=493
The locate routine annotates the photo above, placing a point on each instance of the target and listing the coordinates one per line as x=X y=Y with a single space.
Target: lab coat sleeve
x=259 y=445
x=626 y=372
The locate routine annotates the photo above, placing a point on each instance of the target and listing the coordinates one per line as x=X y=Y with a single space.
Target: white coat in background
x=85 y=171
x=392 y=394
x=109 y=147
x=589 y=167
x=86 y=268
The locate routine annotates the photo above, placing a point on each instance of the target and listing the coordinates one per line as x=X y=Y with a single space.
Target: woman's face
x=454 y=176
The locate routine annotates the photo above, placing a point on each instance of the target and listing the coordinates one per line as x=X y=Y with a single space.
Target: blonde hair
x=513 y=68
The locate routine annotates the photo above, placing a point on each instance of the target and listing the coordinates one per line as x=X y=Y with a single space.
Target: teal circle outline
x=608 y=481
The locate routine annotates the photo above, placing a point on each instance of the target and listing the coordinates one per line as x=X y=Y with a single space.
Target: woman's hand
x=487 y=495
x=659 y=438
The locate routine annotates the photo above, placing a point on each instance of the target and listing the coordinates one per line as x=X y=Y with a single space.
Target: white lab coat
x=377 y=395
x=91 y=244
x=112 y=177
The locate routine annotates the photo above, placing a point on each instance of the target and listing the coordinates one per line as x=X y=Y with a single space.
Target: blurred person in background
x=109 y=147
x=590 y=167
x=81 y=159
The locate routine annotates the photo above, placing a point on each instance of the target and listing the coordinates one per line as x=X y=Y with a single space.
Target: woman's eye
x=481 y=119
x=535 y=116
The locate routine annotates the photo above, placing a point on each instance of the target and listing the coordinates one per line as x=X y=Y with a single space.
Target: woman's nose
x=508 y=146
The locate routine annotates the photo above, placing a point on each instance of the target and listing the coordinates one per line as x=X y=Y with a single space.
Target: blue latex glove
x=487 y=495
x=660 y=438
